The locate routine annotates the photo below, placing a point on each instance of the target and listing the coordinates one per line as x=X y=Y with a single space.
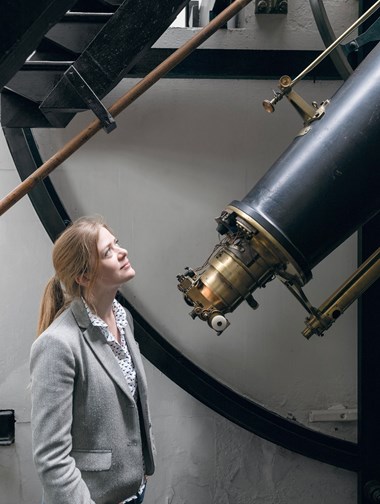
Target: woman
x=91 y=430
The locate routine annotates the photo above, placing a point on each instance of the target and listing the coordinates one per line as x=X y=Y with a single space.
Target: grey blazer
x=91 y=442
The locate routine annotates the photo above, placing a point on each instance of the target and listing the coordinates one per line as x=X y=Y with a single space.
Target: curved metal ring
x=327 y=34
x=238 y=409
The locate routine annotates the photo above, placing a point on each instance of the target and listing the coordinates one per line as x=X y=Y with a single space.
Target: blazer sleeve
x=52 y=367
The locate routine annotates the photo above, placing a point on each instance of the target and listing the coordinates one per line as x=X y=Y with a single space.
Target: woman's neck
x=103 y=309
x=102 y=303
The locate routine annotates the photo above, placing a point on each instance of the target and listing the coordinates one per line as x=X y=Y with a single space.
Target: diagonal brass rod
x=122 y=103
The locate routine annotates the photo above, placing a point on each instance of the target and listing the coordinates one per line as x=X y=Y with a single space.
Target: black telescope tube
x=327 y=183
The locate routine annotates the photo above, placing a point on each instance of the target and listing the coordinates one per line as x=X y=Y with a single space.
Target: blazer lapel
x=99 y=346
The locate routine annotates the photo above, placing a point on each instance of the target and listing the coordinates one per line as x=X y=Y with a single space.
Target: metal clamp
x=75 y=79
x=309 y=113
x=271 y=7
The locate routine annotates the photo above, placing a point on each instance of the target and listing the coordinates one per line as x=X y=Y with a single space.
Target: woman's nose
x=122 y=252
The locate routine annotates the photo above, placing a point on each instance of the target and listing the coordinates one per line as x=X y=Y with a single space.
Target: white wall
x=180 y=154
x=25 y=263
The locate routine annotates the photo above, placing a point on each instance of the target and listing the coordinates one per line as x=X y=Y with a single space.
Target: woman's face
x=114 y=268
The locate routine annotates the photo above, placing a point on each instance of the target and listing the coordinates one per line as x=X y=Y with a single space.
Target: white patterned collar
x=119 y=312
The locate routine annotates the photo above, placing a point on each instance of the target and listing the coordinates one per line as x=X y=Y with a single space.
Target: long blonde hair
x=75 y=253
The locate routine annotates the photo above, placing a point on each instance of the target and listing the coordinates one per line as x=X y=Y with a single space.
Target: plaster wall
x=295 y=30
x=180 y=154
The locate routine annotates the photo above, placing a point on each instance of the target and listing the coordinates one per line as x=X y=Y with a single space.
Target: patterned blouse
x=121 y=353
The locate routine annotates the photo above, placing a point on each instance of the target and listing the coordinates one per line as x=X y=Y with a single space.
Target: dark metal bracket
x=7 y=427
x=271 y=7
x=371 y=35
x=192 y=14
x=74 y=78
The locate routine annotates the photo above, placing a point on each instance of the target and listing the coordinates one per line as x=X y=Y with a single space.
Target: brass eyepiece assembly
x=245 y=260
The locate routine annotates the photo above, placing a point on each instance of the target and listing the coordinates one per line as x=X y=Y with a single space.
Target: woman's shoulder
x=65 y=320
x=63 y=329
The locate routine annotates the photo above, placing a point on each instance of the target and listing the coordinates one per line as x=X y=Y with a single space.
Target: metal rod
x=329 y=49
x=355 y=285
x=343 y=297
x=127 y=99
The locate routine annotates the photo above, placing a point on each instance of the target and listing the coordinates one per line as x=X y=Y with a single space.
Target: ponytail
x=52 y=303
x=74 y=253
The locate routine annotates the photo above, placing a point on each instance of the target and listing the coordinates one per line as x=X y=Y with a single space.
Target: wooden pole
x=122 y=103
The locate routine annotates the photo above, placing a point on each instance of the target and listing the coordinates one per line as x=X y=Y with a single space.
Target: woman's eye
x=108 y=251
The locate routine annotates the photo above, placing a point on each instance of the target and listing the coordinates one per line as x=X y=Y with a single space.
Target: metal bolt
x=283 y=7
x=262 y=6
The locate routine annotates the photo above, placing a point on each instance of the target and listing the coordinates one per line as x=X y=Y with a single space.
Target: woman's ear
x=82 y=280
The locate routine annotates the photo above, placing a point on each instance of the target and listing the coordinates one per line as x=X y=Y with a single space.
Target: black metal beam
x=122 y=41
x=237 y=64
x=369 y=373
x=368 y=346
x=20 y=103
x=200 y=64
x=23 y=24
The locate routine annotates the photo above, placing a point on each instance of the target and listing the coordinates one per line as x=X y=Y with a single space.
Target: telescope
x=318 y=193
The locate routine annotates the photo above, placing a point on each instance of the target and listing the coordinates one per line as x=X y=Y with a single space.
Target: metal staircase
x=77 y=59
